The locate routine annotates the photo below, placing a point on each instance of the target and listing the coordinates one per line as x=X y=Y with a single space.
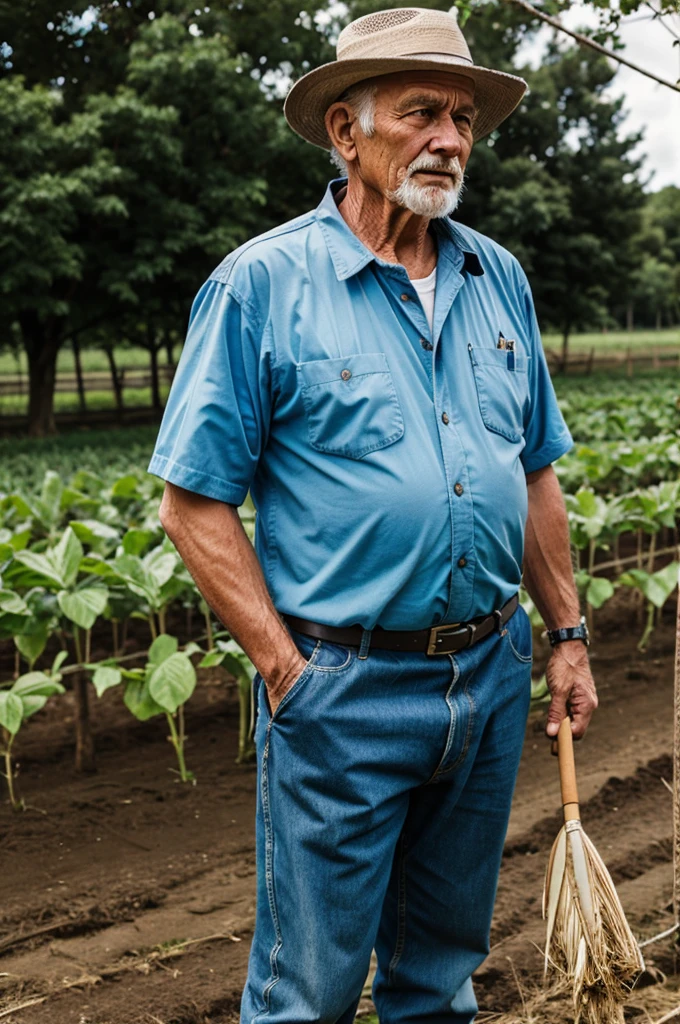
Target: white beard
x=430 y=200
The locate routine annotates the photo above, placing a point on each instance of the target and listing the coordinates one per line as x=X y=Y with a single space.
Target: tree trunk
x=168 y=350
x=566 y=331
x=115 y=379
x=630 y=325
x=79 y=374
x=42 y=371
x=155 y=387
x=658 y=319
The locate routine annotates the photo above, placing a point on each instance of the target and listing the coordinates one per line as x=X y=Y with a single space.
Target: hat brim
x=497 y=94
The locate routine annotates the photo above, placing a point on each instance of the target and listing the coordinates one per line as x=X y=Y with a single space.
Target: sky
x=650 y=106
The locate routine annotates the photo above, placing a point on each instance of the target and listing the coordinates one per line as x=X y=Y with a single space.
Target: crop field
x=127 y=807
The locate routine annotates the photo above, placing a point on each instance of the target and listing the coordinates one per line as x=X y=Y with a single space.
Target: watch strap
x=580 y=632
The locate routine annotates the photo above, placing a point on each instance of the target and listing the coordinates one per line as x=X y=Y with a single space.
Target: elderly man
x=373 y=374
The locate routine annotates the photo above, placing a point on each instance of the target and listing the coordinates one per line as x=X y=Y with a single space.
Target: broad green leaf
x=92 y=532
x=42 y=565
x=172 y=682
x=12 y=603
x=32 y=703
x=139 y=701
x=105 y=677
x=32 y=644
x=162 y=647
x=50 y=496
x=36 y=684
x=661 y=585
x=192 y=648
x=125 y=487
x=134 y=541
x=11 y=712
x=160 y=565
x=211 y=659
x=83 y=606
x=66 y=557
x=599 y=590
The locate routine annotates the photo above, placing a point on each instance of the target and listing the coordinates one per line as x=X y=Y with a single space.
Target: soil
x=127 y=897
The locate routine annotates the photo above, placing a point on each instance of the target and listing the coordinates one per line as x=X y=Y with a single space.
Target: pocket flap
x=499 y=357
x=325 y=371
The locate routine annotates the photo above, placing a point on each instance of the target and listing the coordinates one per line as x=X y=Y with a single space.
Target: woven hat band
x=445 y=58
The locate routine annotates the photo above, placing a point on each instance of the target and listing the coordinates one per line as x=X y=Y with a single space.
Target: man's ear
x=340 y=122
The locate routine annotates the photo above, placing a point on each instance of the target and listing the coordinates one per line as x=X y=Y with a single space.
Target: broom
x=589 y=944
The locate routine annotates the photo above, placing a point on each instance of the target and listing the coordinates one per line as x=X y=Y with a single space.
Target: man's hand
x=278 y=687
x=572 y=688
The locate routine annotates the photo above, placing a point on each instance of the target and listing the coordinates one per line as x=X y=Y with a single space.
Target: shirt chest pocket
x=351 y=404
x=502 y=382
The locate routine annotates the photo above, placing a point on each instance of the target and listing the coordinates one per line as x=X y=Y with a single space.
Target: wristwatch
x=580 y=632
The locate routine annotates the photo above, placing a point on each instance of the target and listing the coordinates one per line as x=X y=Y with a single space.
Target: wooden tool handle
x=565 y=753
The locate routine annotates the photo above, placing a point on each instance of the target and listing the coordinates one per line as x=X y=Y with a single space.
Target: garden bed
x=128 y=898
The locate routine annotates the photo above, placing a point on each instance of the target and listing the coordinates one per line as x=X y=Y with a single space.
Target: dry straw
x=589 y=944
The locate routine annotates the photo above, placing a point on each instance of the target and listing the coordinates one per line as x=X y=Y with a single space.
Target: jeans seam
x=336 y=668
x=520 y=657
x=452 y=722
x=401 y=914
x=269 y=878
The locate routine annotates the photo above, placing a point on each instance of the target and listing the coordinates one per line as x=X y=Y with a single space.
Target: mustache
x=451 y=167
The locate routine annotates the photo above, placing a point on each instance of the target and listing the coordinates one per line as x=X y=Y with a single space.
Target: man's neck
x=393 y=233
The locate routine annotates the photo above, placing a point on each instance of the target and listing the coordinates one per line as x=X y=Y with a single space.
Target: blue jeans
x=384 y=795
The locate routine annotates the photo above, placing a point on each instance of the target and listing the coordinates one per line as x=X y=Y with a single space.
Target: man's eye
x=423 y=110
x=463 y=117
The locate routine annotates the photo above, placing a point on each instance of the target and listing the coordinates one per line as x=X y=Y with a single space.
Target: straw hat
x=403 y=39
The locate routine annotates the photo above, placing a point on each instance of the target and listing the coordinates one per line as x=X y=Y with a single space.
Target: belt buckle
x=449 y=629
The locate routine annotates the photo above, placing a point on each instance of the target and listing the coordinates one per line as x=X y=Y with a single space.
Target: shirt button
x=405 y=297
x=346 y=374
x=458 y=488
x=462 y=562
x=426 y=344
x=445 y=418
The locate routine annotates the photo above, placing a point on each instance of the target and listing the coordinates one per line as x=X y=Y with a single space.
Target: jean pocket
x=502 y=389
x=351 y=404
x=518 y=635
x=296 y=685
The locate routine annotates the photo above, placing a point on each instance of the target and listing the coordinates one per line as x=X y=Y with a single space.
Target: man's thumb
x=556 y=713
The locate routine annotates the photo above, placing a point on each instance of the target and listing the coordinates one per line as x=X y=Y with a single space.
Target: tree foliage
x=141 y=141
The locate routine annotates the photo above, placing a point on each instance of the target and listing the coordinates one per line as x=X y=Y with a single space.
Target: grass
x=65 y=401
x=617 y=341
x=91 y=359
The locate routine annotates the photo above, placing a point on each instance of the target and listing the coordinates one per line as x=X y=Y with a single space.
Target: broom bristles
x=588 y=941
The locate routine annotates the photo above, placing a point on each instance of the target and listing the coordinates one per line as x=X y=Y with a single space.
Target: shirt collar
x=350 y=255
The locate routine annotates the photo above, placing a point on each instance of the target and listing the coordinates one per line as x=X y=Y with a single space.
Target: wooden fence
x=135 y=378
x=15 y=385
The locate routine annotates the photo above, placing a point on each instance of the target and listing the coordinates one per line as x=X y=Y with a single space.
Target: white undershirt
x=425 y=286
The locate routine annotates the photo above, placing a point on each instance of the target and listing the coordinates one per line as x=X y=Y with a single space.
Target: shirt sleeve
x=216 y=420
x=546 y=434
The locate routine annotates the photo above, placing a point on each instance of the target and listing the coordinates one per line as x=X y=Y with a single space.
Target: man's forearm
x=211 y=540
x=548 y=572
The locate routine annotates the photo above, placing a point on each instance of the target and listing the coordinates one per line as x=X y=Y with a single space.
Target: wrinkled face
x=422 y=139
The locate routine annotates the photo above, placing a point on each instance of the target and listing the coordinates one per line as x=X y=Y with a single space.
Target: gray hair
x=361 y=98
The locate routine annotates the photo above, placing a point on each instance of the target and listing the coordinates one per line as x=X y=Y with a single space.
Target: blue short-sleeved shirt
x=387 y=463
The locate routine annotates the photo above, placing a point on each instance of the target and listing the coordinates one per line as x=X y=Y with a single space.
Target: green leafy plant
x=162 y=687
x=28 y=694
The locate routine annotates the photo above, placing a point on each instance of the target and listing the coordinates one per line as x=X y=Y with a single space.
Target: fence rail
x=15 y=385
x=135 y=378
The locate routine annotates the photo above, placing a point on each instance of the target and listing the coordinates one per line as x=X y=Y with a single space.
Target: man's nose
x=446 y=140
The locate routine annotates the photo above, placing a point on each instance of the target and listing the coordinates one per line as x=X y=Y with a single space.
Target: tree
x=558 y=185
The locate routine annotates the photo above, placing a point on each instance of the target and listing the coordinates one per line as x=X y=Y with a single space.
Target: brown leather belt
x=444 y=639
